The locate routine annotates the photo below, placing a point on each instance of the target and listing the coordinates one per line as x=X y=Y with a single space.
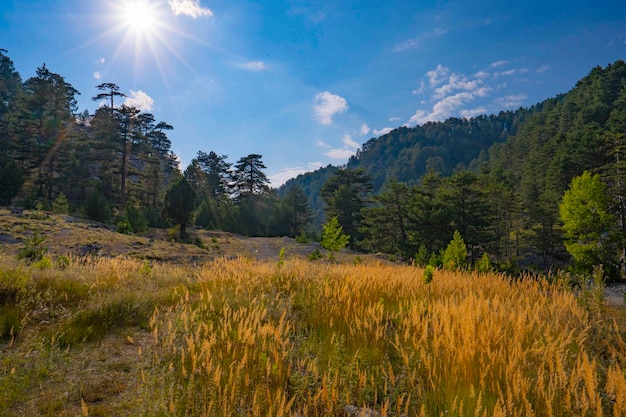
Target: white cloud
x=139 y=99
x=512 y=101
x=506 y=73
x=190 y=8
x=419 y=90
x=346 y=151
x=456 y=82
x=96 y=75
x=481 y=75
x=101 y=61
x=418 y=40
x=394 y=119
x=447 y=106
x=342 y=153
x=544 y=68
x=498 y=64
x=253 y=66
x=365 y=129
x=382 y=131
x=327 y=105
x=288 y=173
x=347 y=140
x=438 y=75
x=473 y=112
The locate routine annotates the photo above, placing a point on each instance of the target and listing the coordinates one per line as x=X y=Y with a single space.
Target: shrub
x=454 y=257
x=124 y=227
x=33 y=251
x=484 y=264
x=429 y=271
x=316 y=254
x=61 y=205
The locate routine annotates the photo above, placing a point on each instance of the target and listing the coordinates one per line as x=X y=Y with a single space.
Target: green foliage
x=180 y=202
x=96 y=322
x=455 y=255
x=429 y=272
x=63 y=262
x=33 y=249
x=422 y=256
x=198 y=242
x=61 y=205
x=333 y=238
x=44 y=263
x=11 y=180
x=124 y=227
x=281 y=257
x=136 y=219
x=345 y=195
x=587 y=221
x=484 y=264
x=315 y=255
x=97 y=207
x=302 y=238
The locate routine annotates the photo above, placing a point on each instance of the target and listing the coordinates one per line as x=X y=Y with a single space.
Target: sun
x=139 y=16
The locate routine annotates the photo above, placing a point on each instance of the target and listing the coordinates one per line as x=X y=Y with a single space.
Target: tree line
x=116 y=165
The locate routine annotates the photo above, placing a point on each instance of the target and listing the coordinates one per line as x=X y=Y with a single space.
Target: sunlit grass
x=299 y=338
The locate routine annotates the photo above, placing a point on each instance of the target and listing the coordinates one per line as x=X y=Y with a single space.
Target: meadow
x=293 y=337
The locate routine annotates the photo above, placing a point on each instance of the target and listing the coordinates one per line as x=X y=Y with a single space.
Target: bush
x=429 y=271
x=33 y=251
x=61 y=205
x=316 y=254
x=124 y=227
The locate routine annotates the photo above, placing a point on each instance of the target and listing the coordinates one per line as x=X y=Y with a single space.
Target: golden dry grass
x=249 y=338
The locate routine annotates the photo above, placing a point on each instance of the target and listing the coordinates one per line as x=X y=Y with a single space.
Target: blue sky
x=303 y=82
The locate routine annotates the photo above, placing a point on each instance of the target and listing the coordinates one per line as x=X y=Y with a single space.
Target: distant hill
x=406 y=153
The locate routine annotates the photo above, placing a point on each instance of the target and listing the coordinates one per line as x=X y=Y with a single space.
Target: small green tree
x=333 y=238
x=455 y=255
x=61 y=205
x=587 y=222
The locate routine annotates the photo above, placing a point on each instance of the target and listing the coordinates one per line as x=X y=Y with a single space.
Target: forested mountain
x=498 y=180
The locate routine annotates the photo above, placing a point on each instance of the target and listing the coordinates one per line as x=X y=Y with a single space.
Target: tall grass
x=307 y=339
x=245 y=338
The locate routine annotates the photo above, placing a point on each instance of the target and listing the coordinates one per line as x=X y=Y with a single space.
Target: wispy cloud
x=498 y=64
x=139 y=99
x=346 y=151
x=253 y=66
x=96 y=75
x=327 y=105
x=473 y=112
x=382 y=131
x=349 y=142
x=438 y=75
x=419 y=40
x=365 y=129
x=512 y=101
x=545 y=68
x=189 y=8
x=286 y=174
